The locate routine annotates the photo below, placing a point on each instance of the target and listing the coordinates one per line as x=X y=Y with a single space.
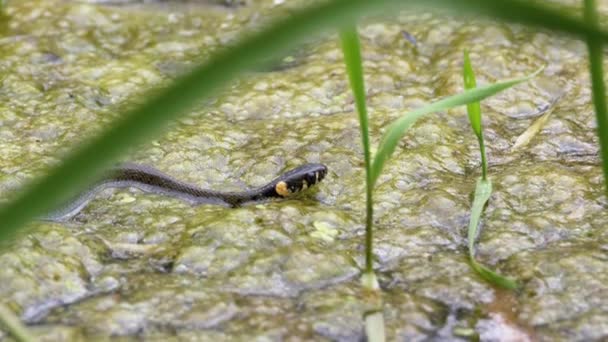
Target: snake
x=149 y=179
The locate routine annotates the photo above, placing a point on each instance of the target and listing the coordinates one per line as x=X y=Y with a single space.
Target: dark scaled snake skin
x=149 y=179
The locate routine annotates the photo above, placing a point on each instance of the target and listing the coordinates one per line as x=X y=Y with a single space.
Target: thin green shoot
x=399 y=127
x=474 y=112
x=596 y=57
x=351 y=48
x=14 y=326
x=483 y=188
x=352 y=58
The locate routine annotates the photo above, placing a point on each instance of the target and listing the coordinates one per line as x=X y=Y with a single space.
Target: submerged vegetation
x=144 y=122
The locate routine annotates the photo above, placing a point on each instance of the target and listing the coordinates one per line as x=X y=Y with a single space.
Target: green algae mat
x=135 y=266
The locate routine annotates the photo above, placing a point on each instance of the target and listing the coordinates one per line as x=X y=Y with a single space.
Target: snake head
x=299 y=179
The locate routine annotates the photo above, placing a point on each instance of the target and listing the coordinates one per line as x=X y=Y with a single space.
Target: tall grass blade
x=473 y=108
x=474 y=112
x=596 y=56
x=397 y=129
x=352 y=58
x=483 y=189
x=351 y=48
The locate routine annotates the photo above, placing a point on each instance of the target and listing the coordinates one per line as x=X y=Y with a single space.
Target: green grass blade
x=352 y=58
x=483 y=191
x=351 y=48
x=493 y=277
x=474 y=112
x=483 y=188
x=473 y=108
x=397 y=129
x=594 y=45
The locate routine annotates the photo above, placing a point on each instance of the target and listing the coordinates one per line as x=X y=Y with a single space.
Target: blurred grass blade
x=483 y=191
x=14 y=326
x=397 y=129
x=474 y=112
x=352 y=58
x=596 y=57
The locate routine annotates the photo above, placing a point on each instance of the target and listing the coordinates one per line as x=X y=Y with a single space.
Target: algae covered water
x=138 y=265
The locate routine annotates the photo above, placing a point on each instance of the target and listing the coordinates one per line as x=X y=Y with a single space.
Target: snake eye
x=293 y=188
x=311 y=178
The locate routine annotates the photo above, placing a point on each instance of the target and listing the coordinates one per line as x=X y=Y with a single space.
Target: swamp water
x=139 y=265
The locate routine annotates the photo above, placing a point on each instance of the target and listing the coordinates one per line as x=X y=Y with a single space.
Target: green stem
x=369 y=267
x=594 y=45
x=484 y=161
x=352 y=55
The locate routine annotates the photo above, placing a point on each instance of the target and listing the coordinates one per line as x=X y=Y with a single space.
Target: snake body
x=149 y=179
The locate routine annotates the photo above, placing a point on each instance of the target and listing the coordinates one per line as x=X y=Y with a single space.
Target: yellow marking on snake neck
x=282 y=189
x=304 y=185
